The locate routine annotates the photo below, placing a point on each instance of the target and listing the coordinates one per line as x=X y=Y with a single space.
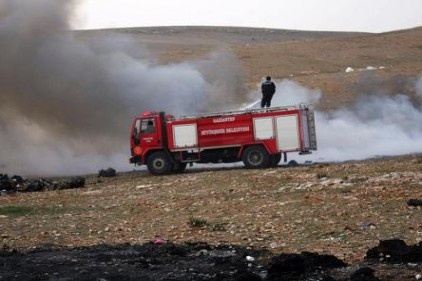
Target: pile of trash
x=395 y=251
x=107 y=173
x=9 y=185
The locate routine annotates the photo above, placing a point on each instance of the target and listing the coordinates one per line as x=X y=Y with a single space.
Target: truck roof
x=243 y=111
x=233 y=112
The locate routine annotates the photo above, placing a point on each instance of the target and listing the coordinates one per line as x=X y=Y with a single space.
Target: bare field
x=339 y=209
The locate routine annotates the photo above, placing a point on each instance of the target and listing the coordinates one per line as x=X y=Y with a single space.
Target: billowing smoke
x=376 y=125
x=66 y=105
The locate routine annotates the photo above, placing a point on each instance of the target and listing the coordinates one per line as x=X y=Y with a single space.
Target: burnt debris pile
x=168 y=261
x=302 y=266
x=201 y=261
x=10 y=185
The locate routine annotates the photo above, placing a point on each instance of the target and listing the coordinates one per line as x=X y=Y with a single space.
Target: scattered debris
x=349 y=69
x=158 y=241
x=250 y=259
x=368 y=68
x=368 y=226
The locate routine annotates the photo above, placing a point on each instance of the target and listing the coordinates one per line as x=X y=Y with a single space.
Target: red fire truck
x=258 y=137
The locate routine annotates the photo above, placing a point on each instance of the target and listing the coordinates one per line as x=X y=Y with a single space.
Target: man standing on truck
x=268 y=90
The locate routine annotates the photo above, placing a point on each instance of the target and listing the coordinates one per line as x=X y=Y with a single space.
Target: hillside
x=317 y=60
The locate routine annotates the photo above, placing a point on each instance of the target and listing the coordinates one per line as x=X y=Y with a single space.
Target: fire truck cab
x=258 y=137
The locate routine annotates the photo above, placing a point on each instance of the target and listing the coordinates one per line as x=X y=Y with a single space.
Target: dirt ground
x=231 y=223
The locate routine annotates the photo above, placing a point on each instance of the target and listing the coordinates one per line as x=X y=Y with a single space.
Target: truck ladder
x=312 y=130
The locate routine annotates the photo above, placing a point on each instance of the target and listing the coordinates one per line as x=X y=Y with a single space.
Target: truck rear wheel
x=159 y=163
x=255 y=157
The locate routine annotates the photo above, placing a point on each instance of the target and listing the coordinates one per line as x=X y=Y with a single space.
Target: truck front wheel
x=159 y=163
x=255 y=157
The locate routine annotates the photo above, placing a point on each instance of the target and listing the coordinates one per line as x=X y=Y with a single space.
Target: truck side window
x=136 y=131
x=147 y=126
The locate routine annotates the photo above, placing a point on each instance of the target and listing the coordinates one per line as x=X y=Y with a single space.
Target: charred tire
x=255 y=157
x=159 y=163
x=179 y=167
x=275 y=159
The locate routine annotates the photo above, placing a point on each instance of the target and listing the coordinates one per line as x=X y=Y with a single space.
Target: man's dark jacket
x=268 y=88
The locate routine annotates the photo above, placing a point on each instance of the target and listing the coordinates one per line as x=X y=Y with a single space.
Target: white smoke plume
x=376 y=125
x=66 y=105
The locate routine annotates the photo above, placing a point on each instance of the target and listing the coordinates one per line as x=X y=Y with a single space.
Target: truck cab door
x=148 y=132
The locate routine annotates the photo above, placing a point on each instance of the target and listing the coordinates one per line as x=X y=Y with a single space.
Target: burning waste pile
x=391 y=260
x=10 y=185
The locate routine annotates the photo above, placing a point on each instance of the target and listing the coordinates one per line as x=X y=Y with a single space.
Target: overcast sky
x=331 y=15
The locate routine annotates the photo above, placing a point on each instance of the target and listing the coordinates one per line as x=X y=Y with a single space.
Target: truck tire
x=159 y=163
x=255 y=157
x=179 y=167
x=275 y=159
